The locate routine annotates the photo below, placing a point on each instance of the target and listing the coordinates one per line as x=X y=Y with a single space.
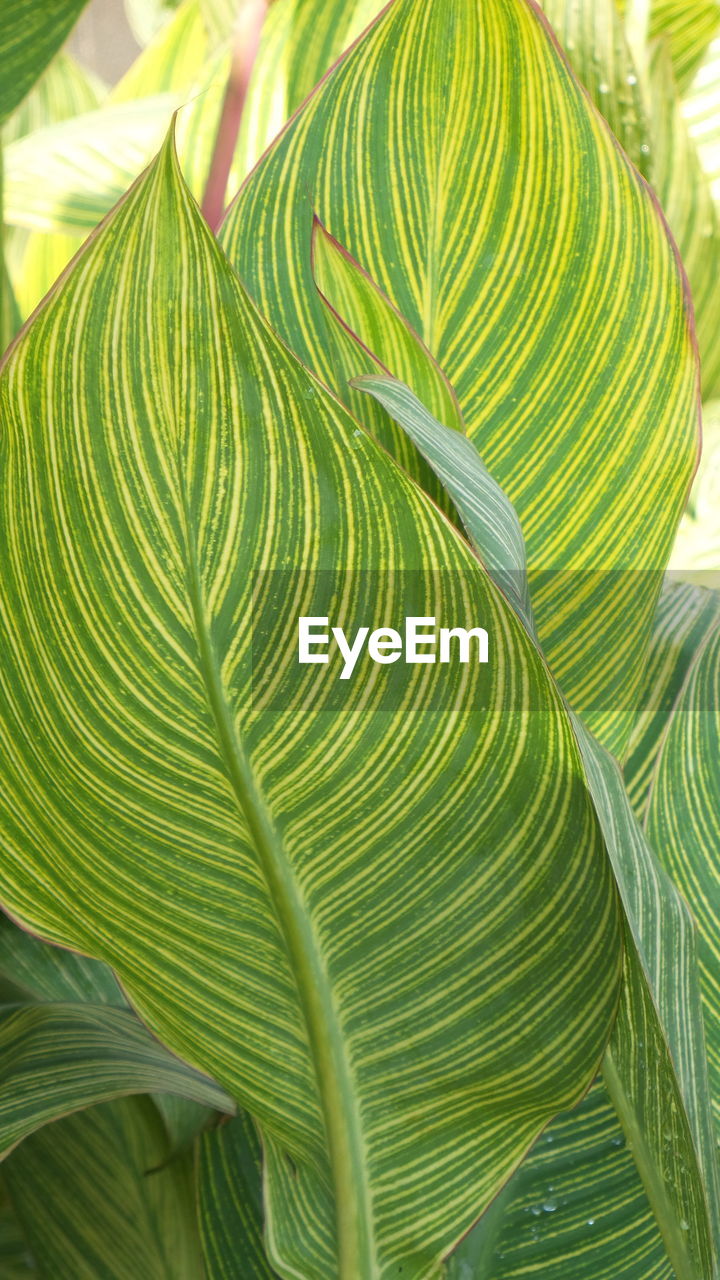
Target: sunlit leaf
x=67 y=177
x=494 y=220
x=188 y=825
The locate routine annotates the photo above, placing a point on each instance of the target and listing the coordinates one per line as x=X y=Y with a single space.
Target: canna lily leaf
x=58 y=1058
x=684 y=820
x=229 y=1186
x=687 y=201
x=30 y=36
x=655 y=1066
x=592 y=34
x=97 y=1196
x=66 y=177
x=65 y=89
x=358 y=305
x=301 y=39
x=701 y=109
x=686 y=615
x=51 y=974
x=575 y=1210
x=16 y=1261
x=494 y=220
x=331 y=935
x=690 y=26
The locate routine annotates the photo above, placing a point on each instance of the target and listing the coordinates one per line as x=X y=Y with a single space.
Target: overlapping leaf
x=57 y=1058
x=684 y=820
x=229 y=1185
x=688 y=204
x=592 y=35
x=495 y=233
x=575 y=1210
x=279 y=913
x=686 y=615
x=67 y=176
x=97 y=1195
x=655 y=1067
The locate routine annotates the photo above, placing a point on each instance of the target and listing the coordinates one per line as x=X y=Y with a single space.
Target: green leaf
x=30 y=35
x=357 y=303
x=655 y=1066
x=690 y=26
x=66 y=177
x=278 y=913
x=229 y=1182
x=684 y=820
x=65 y=89
x=686 y=614
x=50 y=973
x=57 y=1058
x=575 y=1210
x=16 y=1261
x=592 y=34
x=510 y=294
x=97 y=1197
x=685 y=195
x=701 y=108
x=301 y=39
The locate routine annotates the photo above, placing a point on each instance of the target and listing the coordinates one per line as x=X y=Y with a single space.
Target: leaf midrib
x=357 y=1253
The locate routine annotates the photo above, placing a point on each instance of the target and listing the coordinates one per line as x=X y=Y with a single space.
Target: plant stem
x=246 y=44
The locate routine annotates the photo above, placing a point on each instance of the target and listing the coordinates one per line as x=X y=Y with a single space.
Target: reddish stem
x=247 y=42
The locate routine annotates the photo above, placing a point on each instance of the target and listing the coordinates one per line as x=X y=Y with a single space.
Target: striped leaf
x=655 y=1066
x=592 y=35
x=510 y=293
x=47 y=973
x=357 y=305
x=30 y=34
x=229 y=1188
x=97 y=1197
x=278 y=914
x=65 y=89
x=66 y=177
x=686 y=615
x=684 y=820
x=301 y=39
x=575 y=1210
x=687 y=201
x=58 y=1058
x=690 y=26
